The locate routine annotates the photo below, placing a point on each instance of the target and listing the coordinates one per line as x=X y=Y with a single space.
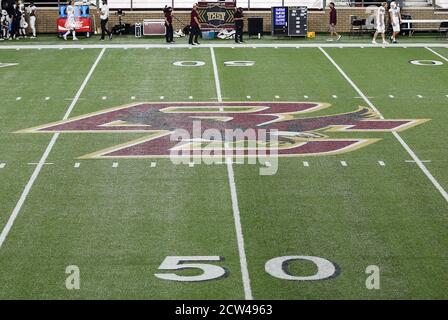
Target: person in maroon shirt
x=169 y=24
x=333 y=22
x=195 y=29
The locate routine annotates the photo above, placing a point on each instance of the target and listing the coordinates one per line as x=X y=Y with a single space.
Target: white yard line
x=42 y=161
x=218 y=45
x=396 y=135
x=437 y=54
x=234 y=196
x=217 y=83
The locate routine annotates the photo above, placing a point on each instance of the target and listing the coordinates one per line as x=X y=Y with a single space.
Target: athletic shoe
x=101 y=39
x=197 y=43
x=33 y=37
x=75 y=39
x=339 y=38
x=374 y=42
x=385 y=42
x=1 y=39
x=330 y=40
x=65 y=37
x=395 y=41
x=110 y=36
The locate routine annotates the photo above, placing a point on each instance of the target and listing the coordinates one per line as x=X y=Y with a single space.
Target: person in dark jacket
x=169 y=33
x=195 y=28
x=239 y=25
x=333 y=22
x=16 y=16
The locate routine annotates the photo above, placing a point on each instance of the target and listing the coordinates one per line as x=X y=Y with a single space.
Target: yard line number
x=277 y=267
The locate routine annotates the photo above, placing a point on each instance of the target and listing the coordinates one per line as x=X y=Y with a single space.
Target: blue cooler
x=208 y=35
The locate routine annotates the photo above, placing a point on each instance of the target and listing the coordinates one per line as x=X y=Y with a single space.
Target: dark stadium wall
x=317 y=20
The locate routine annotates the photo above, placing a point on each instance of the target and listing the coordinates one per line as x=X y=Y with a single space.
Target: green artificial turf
x=118 y=224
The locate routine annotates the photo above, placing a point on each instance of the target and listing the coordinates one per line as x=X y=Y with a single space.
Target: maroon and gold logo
x=298 y=133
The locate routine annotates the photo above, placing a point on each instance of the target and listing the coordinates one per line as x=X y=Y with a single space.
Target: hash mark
x=77 y=165
x=248 y=97
x=153 y=164
x=18 y=98
x=104 y=98
x=162 y=97
x=115 y=165
x=133 y=98
x=343 y=163
x=190 y=97
x=2 y=165
x=306 y=164
x=391 y=96
x=277 y=97
x=191 y=164
x=47 y=98
x=419 y=96
x=306 y=97
x=36 y=163
x=335 y=96
x=381 y=163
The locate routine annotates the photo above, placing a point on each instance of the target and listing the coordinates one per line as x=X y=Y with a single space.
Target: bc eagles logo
x=298 y=133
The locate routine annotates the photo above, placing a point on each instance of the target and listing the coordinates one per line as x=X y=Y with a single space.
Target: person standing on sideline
x=15 y=21
x=380 y=23
x=395 y=20
x=239 y=25
x=32 y=13
x=333 y=22
x=195 y=29
x=169 y=24
x=23 y=23
x=104 y=17
x=70 y=24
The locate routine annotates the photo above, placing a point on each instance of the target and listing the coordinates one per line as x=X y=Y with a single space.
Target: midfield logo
x=296 y=132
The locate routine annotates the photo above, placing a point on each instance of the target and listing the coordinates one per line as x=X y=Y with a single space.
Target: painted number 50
x=276 y=267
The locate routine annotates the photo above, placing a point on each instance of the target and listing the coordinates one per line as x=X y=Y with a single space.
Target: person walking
x=104 y=17
x=333 y=22
x=195 y=28
x=380 y=23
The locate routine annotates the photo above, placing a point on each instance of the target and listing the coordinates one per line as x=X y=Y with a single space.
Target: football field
x=87 y=182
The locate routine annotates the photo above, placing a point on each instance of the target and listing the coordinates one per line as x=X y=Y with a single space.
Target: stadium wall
x=317 y=20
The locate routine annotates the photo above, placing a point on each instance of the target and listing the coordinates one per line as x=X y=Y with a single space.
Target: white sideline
x=221 y=45
x=234 y=196
x=396 y=135
x=437 y=54
x=42 y=161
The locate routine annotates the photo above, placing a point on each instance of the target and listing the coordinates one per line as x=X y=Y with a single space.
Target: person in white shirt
x=23 y=24
x=380 y=23
x=395 y=20
x=32 y=13
x=104 y=17
x=5 y=21
x=70 y=24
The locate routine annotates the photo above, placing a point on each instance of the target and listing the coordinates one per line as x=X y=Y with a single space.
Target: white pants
x=396 y=25
x=33 y=25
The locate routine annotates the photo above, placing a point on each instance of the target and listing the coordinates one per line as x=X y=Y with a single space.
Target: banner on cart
x=82 y=25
